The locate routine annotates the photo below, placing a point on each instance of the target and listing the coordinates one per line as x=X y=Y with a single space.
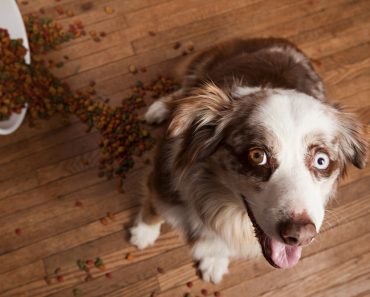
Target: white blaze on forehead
x=291 y=116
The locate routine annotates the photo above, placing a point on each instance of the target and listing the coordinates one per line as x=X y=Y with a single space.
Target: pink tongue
x=284 y=256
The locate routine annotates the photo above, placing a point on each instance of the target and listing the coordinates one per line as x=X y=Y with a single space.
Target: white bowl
x=11 y=19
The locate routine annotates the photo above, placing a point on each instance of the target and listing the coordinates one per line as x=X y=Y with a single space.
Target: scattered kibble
x=132 y=68
x=78 y=203
x=108 y=10
x=60 y=278
x=104 y=221
x=59 y=64
x=57 y=270
x=77 y=292
x=152 y=33
x=70 y=13
x=59 y=10
x=189 y=284
x=129 y=256
x=18 y=231
x=177 y=45
x=204 y=292
x=88 y=277
x=86 y=6
x=217 y=294
x=81 y=264
x=44 y=34
x=47 y=279
x=160 y=270
x=103 y=34
x=188 y=294
x=111 y=216
x=98 y=262
x=109 y=275
x=89 y=262
x=24 y=2
x=121 y=130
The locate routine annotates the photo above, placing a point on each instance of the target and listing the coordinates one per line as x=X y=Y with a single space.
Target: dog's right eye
x=257 y=156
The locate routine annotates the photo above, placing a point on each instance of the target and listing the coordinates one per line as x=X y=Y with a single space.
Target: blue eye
x=321 y=161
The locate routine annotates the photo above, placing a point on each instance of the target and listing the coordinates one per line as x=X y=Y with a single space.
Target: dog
x=251 y=156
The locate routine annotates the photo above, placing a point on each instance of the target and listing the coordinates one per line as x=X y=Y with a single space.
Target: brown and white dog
x=252 y=154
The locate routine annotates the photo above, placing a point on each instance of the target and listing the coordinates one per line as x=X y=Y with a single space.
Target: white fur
x=213 y=269
x=157 y=113
x=244 y=91
x=292 y=117
x=213 y=256
x=144 y=235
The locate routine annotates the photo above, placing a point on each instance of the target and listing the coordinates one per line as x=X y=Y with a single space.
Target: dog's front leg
x=213 y=257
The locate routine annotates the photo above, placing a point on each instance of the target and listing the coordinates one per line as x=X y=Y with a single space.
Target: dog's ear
x=353 y=138
x=199 y=121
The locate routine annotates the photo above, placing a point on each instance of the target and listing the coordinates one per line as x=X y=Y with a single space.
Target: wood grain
x=44 y=170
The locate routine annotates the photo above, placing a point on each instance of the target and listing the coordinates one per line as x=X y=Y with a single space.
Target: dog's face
x=281 y=152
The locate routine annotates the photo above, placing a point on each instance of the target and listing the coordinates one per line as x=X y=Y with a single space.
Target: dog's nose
x=297 y=233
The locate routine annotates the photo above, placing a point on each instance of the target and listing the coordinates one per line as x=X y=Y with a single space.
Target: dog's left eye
x=257 y=156
x=321 y=161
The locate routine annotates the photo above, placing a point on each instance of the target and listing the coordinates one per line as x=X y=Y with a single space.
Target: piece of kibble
x=103 y=34
x=129 y=257
x=78 y=203
x=57 y=270
x=154 y=294
x=160 y=270
x=42 y=10
x=89 y=262
x=204 y=292
x=109 y=275
x=88 y=277
x=81 y=264
x=132 y=68
x=24 y=2
x=188 y=294
x=77 y=292
x=104 y=221
x=18 y=231
x=59 y=64
x=190 y=46
x=60 y=278
x=59 y=10
x=111 y=216
x=177 y=45
x=47 y=280
x=98 y=262
x=152 y=33
x=217 y=294
x=70 y=13
x=189 y=284
x=108 y=10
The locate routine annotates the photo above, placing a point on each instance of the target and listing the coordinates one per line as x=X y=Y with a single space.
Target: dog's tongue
x=284 y=256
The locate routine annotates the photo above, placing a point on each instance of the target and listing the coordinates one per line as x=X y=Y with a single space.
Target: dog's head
x=280 y=152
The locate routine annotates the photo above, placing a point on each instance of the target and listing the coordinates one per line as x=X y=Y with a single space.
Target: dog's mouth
x=278 y=254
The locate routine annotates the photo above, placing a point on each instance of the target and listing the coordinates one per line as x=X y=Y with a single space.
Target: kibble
x=108 y=10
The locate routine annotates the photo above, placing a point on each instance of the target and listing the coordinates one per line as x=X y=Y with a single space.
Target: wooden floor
x=43 y=172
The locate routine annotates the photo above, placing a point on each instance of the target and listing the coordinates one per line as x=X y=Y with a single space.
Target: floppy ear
x=200 y=120
x=353 y=139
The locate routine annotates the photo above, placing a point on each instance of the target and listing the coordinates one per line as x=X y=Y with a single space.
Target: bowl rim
x=12 y=6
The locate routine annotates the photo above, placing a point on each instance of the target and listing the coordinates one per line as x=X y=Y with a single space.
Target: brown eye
x=257 y=156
